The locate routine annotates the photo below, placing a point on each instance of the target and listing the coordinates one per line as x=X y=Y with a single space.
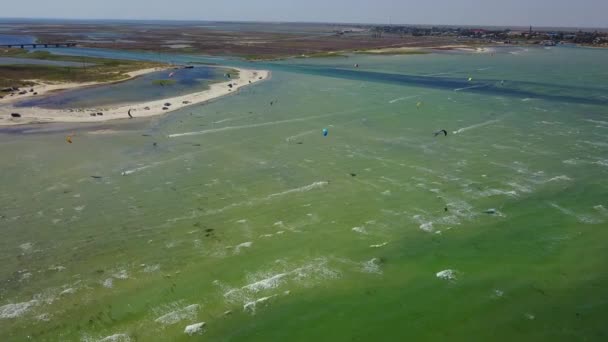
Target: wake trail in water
x=313 y=186
x=403 y=98
x=472 y=87
x=464 y=129
x=257 y=200
x=293 y=137
x=264 y=124
x=439 y=74
x=128 y=172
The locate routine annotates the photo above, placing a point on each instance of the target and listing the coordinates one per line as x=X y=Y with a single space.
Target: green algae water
x=245 y=217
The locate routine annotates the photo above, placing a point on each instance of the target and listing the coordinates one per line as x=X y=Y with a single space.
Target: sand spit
x=143 y=109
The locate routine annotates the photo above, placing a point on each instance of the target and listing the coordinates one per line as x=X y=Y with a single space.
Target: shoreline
x=43 y=88
x=38 y=115
x=405 y=50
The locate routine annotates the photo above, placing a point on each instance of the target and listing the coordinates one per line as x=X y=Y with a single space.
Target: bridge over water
x=39 y=45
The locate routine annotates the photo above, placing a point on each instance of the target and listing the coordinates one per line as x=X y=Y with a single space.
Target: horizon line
x=305 y=22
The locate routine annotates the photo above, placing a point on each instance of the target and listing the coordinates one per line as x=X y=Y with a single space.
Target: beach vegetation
x=92 y=69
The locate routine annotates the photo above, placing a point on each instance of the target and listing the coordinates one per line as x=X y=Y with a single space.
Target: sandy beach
x=407 y=49
x=143 y=109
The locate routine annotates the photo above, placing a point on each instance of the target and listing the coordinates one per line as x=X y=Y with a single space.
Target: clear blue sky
x=573 y=13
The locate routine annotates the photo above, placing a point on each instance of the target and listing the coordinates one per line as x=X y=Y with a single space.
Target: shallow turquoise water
x=245 y=207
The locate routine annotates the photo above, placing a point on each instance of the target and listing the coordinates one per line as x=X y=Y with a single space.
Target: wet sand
x=144 y=109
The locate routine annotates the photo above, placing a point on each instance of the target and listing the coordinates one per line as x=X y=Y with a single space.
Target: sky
x=562 y=13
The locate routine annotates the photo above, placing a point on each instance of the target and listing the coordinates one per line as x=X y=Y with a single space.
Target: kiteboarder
x=441 y=131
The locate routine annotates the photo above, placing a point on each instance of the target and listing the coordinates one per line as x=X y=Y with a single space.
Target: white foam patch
x=108 y=283
x=521 y=188
x=380 y=245
x=448 y=274
x=427 y=226
x=424 y=223
x=372 y=266
x=25 y=276
x=194 y=329
x=26 y=247
x=595 y=143
x=589 y=219
x=238 y=248
x=559 y=178
x=599 y=122
x=116 y=338
x=574 y=161
x=47 y=296
x=151 y=268
x=363 y=229
x=447 y=220
x=57 y=268
x=267 y=283
x=67 y=291
x=122 y=274
x=17 y=309
x=252 y=305
x=306 y=275
x=601 y=162
x=360 y=230
x=600 y=208
x=186 y=313
x=494 y=192
x=45 y=317
x=80 y=207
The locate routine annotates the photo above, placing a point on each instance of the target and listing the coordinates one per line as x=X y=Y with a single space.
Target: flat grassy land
x=96 y=69
x=250 y=41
